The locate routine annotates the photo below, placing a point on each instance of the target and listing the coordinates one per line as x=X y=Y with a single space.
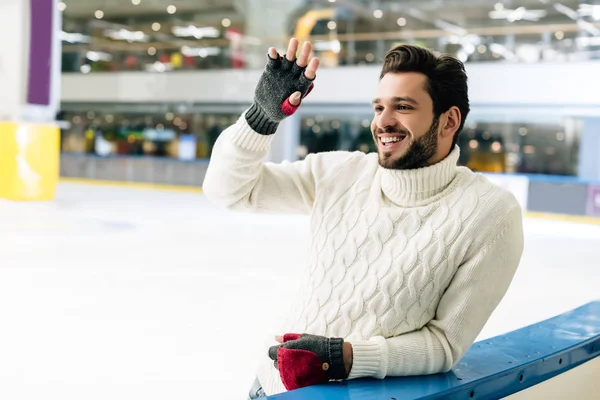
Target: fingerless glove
x=280 y=79
x=304 y=360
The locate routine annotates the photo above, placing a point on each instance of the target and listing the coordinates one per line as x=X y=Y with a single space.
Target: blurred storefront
x=511 y=147
x=182 y=136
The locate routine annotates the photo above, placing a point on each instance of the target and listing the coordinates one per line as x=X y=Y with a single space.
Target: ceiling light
x=559 y=35
x=96 y=56
x=62 y=6
x=331 y=25
x=520 y=14
x=226 y=22
x=171 y=9
x=151 y=51
x=401 y=21
x=99 y=14
x=156 y=27
x=590 y=10
x=499 y=7
x=194 y=31
x=74 y=37
x=202 y=52
x=136 y=2
x=378 y=13
x=124 y=34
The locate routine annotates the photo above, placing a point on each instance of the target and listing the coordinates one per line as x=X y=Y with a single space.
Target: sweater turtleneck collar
x=415 y=187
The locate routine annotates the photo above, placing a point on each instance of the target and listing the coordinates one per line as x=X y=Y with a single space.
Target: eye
x=378 y=109
x=403 y=107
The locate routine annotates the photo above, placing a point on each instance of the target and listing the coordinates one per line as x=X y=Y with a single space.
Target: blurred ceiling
x=136 y=25
x=433 y=14
x=141 y=8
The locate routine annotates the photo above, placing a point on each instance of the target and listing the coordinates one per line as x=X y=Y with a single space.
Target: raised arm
x=237 y=176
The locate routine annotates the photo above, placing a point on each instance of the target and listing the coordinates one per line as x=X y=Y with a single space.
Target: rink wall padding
x=491 y=369
x=568 y=198
x=143 y=169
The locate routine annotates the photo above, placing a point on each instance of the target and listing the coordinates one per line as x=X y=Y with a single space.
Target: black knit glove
x=304 y=360
x=280 y=79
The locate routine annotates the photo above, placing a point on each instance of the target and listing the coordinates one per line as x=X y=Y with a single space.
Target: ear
x=451 y=122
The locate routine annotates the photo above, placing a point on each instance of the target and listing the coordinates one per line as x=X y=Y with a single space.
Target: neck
x=417 y=186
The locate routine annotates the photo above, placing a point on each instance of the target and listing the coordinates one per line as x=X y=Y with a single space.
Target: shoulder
x=495 y=208
x=338 y=171
x=496 y=195
x=489 y=194
x=334 y=163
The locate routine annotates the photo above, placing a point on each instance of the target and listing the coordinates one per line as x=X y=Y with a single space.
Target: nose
x=386 y=121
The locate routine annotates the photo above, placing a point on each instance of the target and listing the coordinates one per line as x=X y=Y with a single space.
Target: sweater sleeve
x=474 y=292
x=238 y=177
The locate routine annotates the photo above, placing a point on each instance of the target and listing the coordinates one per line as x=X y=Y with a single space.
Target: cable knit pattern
x=405 y=265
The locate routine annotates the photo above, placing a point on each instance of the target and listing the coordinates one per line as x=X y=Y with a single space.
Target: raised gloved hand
x=304 y=360
x=281 y=88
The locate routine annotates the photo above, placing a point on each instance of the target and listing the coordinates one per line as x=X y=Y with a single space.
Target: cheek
x=415 y=126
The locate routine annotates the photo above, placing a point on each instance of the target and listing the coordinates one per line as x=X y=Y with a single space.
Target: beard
x=418 y=153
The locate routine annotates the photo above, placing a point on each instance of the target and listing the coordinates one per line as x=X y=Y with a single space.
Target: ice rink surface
x=121 y=293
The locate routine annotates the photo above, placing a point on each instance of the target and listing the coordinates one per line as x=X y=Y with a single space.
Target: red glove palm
x=304 y=360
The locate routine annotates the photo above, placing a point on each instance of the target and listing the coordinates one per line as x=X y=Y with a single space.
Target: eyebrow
x=398 y=100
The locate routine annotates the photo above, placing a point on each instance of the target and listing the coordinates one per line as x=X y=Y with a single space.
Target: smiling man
x=410 y=253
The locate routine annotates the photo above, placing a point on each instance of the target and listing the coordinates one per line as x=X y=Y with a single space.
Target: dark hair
x=446 y=78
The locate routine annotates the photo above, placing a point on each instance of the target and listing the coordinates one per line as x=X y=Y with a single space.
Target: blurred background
x=156 y=81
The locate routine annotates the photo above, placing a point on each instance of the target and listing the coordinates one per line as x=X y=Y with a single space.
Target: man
x=410 y=253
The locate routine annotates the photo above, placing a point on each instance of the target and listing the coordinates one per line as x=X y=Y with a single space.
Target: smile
x=388 y=142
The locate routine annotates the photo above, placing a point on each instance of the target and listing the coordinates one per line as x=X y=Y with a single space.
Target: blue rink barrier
x=491 y=369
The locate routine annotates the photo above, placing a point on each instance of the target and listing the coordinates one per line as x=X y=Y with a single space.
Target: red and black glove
x=279 y=80
x=304 y=360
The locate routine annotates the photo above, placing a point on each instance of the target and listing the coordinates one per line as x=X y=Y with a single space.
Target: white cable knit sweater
x=406 y=265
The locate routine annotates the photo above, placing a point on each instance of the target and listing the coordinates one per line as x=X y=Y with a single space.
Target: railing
x=491 y=369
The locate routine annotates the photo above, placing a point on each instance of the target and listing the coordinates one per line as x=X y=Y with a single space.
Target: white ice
x=119 y=293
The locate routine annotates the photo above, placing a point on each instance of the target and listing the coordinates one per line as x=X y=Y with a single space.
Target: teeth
x=390 y=139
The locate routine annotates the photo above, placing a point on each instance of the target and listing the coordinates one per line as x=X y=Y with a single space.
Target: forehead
x=403 y=84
